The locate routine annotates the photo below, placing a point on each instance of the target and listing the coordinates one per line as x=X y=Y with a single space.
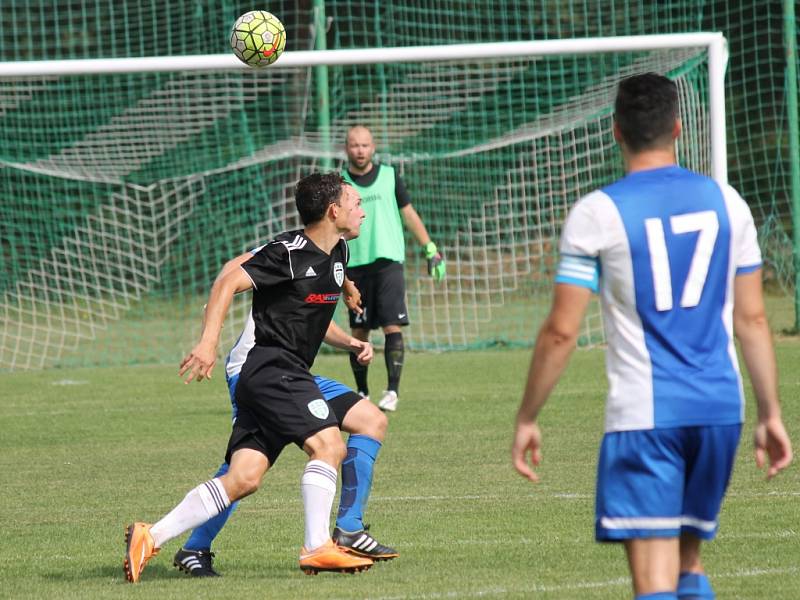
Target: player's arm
x=352 y=297
x=232 y=264
x=413 y=222
x=336 y=337
x=415 y=225
x=554 y=345
x=752 y=330
x=436 y=264
x=200 y=361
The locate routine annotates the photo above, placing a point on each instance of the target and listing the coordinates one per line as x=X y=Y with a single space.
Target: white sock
x=318 y=487
x=204 y=502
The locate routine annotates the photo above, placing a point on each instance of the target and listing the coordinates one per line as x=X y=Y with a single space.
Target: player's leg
x=693 y=583
x=195 y=557
x=393 y=356
x=392 y=314
x=360 y=372
x=299 y=414
x=360 y=324
x=367 y=428
x=653 y=564
x=202 y=503
x=326 y=451
x=710 y=466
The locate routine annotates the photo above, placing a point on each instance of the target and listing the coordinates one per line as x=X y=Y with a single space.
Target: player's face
x=350 y=213
x=360 y=148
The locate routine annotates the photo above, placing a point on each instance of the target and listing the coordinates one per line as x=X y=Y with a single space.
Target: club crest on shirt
x=319 y=408
x=338 y=273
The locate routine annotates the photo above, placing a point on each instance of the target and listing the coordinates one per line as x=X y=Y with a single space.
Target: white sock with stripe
x=204 y=502
x=318 y=487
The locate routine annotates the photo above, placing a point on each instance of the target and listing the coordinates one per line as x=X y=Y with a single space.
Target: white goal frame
x=715 y=43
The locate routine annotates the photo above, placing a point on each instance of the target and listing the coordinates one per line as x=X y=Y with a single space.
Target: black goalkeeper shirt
x=295 y=290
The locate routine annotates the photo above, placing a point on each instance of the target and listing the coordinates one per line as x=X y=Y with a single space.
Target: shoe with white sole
x=389 y=401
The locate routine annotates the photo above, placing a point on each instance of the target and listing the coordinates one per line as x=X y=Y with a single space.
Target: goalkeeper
x=377 y=255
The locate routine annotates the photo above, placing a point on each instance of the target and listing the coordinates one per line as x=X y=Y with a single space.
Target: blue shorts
x=330 y=389
x=662 y=482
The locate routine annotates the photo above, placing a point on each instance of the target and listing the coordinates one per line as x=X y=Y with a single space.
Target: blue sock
x=695 y=586
x=362 y=451
x=202 y=537
x=657 y=596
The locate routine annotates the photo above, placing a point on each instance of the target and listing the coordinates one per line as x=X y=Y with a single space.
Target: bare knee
x=377 y=426
x=245 y=473
x=333 y=453
x=366 y=419
x=239 y=485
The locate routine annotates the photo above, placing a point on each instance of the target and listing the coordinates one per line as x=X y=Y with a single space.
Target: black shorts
x=383 y=295
x=278 y=403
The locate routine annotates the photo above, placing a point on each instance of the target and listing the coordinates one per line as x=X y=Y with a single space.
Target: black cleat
x=363 y=544
x=197 y=563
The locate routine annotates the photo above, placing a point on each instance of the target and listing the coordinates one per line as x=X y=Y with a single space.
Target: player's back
x=669 y=246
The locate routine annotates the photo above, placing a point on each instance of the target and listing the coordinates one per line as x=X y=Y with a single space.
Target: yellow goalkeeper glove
x=436 y=265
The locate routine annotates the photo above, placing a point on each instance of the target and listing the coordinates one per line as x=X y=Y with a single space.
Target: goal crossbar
x=714 y=42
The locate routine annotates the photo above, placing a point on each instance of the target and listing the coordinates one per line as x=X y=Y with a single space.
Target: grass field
x=86 y=451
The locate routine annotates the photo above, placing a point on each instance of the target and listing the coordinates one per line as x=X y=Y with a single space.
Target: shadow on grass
x=156 y=571
x=114 y=571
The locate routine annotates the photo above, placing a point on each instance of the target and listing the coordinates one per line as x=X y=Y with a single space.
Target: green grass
x=85 y=451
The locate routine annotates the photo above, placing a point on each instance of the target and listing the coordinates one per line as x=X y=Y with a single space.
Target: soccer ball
x=258 y=38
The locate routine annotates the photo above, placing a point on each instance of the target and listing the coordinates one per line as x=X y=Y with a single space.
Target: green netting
x=122 y=196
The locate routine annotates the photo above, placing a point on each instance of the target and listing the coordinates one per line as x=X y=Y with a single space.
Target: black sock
x=393 y=353
x=360 y=373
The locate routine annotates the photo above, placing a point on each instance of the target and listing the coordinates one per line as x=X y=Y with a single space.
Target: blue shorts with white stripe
x=662 y=482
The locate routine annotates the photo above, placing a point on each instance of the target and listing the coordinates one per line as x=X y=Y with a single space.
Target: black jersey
x=296 y=288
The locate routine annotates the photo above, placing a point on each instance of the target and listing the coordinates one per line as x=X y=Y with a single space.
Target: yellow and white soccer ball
x=258 y=38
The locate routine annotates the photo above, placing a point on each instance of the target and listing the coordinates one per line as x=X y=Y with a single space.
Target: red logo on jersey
x=322 y=298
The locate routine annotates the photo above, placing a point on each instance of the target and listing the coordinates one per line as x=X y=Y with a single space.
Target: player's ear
x=333 y=211
x=677 y=128
x=617 y=132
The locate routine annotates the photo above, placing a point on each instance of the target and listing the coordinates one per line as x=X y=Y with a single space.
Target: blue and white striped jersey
x=662 y=248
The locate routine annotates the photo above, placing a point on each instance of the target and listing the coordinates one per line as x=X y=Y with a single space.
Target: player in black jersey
x=296 y=282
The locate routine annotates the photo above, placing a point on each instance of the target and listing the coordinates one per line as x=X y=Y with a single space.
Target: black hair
x=645 y=111
x=313 y=193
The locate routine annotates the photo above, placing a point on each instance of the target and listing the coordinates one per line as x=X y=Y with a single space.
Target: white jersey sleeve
x=581 y=242
x=744 y=239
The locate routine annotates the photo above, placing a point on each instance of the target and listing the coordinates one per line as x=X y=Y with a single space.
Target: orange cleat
x=140 y=549
x=330 y=557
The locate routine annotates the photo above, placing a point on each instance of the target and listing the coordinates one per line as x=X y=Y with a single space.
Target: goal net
x=123 y=194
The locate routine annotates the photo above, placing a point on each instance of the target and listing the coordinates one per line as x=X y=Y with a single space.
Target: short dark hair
x=313 y=193
x=645 y=111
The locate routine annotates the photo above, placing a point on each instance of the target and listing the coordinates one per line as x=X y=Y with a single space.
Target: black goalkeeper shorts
x=383 y=295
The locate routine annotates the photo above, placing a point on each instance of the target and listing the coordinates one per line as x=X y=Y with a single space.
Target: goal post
x=129 y=182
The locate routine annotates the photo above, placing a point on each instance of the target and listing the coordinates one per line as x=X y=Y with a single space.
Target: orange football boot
x=330 y=557
x=140 y=549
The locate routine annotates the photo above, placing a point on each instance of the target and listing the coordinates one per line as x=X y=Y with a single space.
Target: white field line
x=264 y=498
x=574 y=586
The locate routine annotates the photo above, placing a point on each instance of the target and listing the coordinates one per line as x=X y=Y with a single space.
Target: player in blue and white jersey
x=365 y=423
x=675 y=260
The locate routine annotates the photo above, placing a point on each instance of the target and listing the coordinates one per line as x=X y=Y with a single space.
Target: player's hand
x=436 y=264
x=363 y=351
x=772 y=442
x=199 y=362
x=527 y=438
x=352 y=297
